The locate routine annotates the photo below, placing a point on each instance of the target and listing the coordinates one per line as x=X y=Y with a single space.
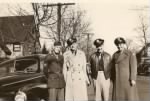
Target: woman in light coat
x=75 y=73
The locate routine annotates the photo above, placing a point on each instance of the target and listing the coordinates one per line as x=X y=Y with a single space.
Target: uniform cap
x=119 y=40
x=98 y=42
x=72 y=40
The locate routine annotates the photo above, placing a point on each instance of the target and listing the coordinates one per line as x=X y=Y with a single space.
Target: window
x=16 y=47
x=7 y=67
x=27 y=65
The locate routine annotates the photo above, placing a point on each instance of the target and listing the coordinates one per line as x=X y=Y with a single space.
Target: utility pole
x=88 y=39
x=59 y=5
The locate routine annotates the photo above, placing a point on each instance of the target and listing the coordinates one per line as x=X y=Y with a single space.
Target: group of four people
x=67 y=76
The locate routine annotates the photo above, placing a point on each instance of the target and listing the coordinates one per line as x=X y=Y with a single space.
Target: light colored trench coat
x=75 y=76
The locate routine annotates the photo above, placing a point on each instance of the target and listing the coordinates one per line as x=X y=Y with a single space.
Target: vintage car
x=22 y=79
x=144 y=66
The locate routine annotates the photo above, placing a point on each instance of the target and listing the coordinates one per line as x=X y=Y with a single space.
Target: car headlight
x=20 y=96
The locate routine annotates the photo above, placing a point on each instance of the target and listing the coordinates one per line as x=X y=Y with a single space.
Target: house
x=148 y=49
x=19 y=34
x=144 y=52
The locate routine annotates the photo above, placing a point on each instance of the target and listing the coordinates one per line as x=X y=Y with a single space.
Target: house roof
x=15 y=28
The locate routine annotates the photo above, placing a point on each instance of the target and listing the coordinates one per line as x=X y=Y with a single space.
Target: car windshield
x=29 y=65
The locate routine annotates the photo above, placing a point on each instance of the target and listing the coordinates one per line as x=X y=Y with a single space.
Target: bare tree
x=17 y=9
x=143 y=29
x=73 y=22
x=43 y=15
x=143 y=25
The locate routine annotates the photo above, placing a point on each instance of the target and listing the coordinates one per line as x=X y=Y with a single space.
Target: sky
x=109 y=18
x=114 y=19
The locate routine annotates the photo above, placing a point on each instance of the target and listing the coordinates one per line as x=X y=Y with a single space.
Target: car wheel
x=20 y=96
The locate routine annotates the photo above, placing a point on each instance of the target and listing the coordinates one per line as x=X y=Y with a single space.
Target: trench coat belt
x=73 y=70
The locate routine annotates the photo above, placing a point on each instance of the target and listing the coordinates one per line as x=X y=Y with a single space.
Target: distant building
x=148 y=49
x=19 y=34
x=144 y=52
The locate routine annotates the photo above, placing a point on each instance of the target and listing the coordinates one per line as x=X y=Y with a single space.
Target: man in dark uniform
x=100 y=71
x=124 y=73
x=53 y=68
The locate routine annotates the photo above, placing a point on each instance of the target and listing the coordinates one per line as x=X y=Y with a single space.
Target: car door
x=26 y=71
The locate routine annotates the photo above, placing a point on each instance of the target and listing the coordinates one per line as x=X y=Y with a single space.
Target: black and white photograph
x=74 y=50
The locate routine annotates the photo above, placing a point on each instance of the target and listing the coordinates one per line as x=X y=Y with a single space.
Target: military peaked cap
x=98 y=42
x=72 y=40
x=119 y=40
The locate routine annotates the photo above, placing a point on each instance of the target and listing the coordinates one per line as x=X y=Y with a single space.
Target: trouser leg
x=94 y=86
x=52 y=94
x=106 y=87
x=102 y=87
x=98 y=96
x=61 y=94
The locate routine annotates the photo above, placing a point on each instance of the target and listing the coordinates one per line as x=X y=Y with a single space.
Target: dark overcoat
x=124 y=70
x=53 y=70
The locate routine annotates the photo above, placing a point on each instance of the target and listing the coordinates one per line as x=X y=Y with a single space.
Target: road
x=143 y=85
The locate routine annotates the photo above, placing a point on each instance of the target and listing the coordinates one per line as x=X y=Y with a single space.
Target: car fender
x=23 y=92
x=33 y=86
